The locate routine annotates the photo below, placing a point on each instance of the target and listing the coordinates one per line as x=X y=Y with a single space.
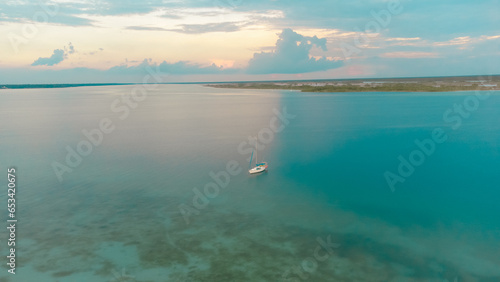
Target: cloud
x=211 y=27
x=292 y=55
x=57 y=56
x=189 y=68
x=71 y=49
x=403 y=39
x=146 y=28
x=177 y=68
x=410 y=55
x=171 y=15
x=196 y=28
x=95 y=52
x=118 y=74
x=49 y=12
x=485 y=37
x=70 y=20
x=455 y=41
x=433 y=20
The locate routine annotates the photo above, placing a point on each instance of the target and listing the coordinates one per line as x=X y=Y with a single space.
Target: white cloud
x=57 y=56
x=292 y=55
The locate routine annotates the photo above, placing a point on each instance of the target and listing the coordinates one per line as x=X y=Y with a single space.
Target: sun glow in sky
x=77 y=41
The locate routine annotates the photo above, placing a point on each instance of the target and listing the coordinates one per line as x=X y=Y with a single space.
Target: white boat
x=259 y=167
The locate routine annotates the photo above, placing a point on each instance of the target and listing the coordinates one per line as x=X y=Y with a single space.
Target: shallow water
x=118 y=215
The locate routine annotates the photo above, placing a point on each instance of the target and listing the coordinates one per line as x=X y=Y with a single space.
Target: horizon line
x=68 y=85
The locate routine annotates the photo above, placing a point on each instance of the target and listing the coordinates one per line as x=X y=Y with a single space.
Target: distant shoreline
x=412 y=84
x=354 y=88
x=66 y=85
x=428 y=84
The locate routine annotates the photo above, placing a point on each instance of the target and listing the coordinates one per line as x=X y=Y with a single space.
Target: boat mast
x=250 y=164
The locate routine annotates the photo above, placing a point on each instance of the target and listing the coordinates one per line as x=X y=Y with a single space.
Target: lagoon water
x=323 y=212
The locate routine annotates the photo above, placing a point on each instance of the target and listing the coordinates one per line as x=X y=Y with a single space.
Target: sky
x=113 y=41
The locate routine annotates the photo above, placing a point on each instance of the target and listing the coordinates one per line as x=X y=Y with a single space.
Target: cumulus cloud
x=177 y=68
x=57 y=56
x=292 y=55
x=188 y=68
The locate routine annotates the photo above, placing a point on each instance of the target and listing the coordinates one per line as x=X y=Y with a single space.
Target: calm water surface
x=131 y=209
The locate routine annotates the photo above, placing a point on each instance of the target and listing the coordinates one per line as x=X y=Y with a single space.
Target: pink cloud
x=409 y=55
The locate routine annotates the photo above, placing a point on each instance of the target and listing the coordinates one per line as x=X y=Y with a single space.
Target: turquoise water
x=121 y=214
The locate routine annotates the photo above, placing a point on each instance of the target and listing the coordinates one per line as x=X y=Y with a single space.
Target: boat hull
x=258 y=169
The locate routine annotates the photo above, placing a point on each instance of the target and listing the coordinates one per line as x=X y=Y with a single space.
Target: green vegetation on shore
x=377 y=87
